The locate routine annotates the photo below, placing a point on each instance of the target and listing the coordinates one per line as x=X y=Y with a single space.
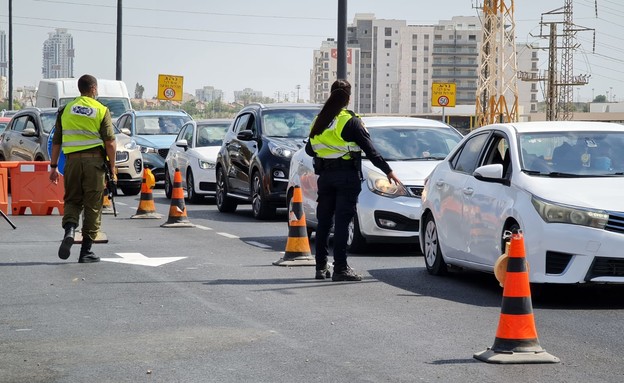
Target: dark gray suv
x=26 y=136
x=253 y=162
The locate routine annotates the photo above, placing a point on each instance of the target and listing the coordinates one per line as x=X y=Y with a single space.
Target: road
x=224 y=313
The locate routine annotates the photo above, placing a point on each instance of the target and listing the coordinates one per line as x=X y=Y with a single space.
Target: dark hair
x=338 y=99
x=85 y=82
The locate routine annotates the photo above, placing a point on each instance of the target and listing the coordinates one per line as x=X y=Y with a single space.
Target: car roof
x=35 y=109
x=283 y=105
x=377 y=121
x=558 y=126
x=159 y=112
x=208 y=121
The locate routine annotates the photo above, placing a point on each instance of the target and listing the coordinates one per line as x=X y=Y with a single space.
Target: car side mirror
x=182 y=143
x=29 y=132
x=245 y=135
x=491 y=173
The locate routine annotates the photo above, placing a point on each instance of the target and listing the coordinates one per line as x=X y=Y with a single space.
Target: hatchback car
x=26 y=136
x=194 y=152
x=253 y=162
x=559 y=182
x=154 y=131
x=385 y=212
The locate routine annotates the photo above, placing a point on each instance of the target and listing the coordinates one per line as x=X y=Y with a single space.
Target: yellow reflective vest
x=330 y=144
x=81 y=121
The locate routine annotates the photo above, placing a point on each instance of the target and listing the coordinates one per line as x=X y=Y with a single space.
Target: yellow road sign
x=170 y=87
x=443 y=94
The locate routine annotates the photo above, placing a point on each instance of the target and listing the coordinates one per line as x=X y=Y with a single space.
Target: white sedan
x=559 y=182
x=385 y=212
x=194 y=152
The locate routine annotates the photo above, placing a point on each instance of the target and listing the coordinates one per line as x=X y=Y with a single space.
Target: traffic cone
x=297 y=247
x=146 y=207
x=177 y=210
x=107 y=206
x=516 y=338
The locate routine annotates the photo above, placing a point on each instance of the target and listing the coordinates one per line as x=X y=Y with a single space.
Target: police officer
x=336 y=140
x=84 y=131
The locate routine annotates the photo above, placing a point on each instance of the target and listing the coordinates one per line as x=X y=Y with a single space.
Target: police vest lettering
x=330 y=143
x=83 y=111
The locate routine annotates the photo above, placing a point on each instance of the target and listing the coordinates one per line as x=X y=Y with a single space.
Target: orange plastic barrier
x=4 y=190
x=31 y=188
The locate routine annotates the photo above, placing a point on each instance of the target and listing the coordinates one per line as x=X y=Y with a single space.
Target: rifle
x=110 y=186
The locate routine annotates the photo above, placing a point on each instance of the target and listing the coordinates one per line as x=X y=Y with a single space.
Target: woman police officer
x=337 y=138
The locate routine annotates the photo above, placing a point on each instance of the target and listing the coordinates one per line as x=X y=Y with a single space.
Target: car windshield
x=155 y=125
x=48 y=119
x=294 y=123
x=572 y=154
x=403 y=143
x=116 y=105
x=211 y=134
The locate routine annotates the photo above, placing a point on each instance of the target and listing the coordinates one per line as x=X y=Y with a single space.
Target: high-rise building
x=58 y=55
x=208 y=94
x=394 y=65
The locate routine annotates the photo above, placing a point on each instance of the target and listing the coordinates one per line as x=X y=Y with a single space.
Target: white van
x=56 y=92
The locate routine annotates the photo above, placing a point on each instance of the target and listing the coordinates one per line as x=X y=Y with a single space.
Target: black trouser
x=338 y=191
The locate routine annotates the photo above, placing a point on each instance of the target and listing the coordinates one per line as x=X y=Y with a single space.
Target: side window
x=466 y=160
x=498 y=153
x=120 y=122
x=188 y=134
x=19 y=124
x=241 y=123
x=30 y=124
x=128 y=123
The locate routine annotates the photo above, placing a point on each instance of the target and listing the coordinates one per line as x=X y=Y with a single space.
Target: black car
x=253 y=162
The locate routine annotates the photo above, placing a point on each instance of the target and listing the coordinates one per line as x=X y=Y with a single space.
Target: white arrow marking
x=140 y=259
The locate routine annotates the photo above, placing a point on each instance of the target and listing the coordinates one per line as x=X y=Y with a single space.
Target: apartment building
x=58 y=55
x=394 y=64
x=208 y=94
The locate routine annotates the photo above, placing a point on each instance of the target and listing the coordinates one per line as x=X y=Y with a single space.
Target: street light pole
x=119 y=25
x=10 y=79
x=342 y=40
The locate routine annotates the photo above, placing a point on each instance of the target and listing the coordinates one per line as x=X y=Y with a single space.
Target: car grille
x=557 y=262
x=415 y=191
x=606 y=267
x=163 y=152
x=616 y=222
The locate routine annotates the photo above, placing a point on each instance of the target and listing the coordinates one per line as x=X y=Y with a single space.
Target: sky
x=268 y=45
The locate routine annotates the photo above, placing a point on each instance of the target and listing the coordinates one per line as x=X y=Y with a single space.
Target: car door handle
x=468 y=191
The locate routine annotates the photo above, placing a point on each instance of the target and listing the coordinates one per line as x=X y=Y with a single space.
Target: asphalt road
x=224 y=313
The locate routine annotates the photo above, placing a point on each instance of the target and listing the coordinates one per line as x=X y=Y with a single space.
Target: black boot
x=86 y=255
x=68 y=240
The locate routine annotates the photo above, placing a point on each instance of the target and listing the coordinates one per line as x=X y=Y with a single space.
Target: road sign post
x=443 y=95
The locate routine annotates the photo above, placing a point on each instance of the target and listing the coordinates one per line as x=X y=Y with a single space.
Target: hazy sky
x=267 y=45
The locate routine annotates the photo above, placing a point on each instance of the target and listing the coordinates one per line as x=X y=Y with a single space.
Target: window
x=388 y=31
x=437 y=37
x=465 y=160
x=20 y=123
x=388 y=44
x=472 y=37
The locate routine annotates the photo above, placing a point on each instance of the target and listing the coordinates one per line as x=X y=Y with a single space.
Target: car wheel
x=225 y=204
x=433 y=255
x=259 y=206
x=356 y=243
x=168 y=184
x=131 y=190
x=190 y=188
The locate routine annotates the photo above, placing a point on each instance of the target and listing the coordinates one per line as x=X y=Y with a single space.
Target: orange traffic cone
x=177 y=210
x=146 y=203
x=297 y=247
x=516 y=338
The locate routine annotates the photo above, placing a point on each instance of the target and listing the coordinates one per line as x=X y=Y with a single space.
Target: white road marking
x=202 y=227
x=228 y=235
x=258 y=244
x=142 y=260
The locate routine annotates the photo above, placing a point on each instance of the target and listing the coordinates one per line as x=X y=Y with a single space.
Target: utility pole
x=342 y=40
x=119 y=28
x=560 y=88
x=10 y=103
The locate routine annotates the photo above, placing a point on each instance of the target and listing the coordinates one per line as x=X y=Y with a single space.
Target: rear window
x=293 y=123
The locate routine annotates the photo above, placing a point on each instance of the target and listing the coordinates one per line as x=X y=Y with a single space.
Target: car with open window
x=559 y=182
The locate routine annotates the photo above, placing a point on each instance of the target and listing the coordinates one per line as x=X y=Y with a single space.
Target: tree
x=600 y=98
x=138 y=91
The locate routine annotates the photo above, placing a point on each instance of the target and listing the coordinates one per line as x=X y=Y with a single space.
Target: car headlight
x=148 y=149
x=379 y=184
x=206 y=164
x=130 y=145
x=556 y=213
x=280 y=151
